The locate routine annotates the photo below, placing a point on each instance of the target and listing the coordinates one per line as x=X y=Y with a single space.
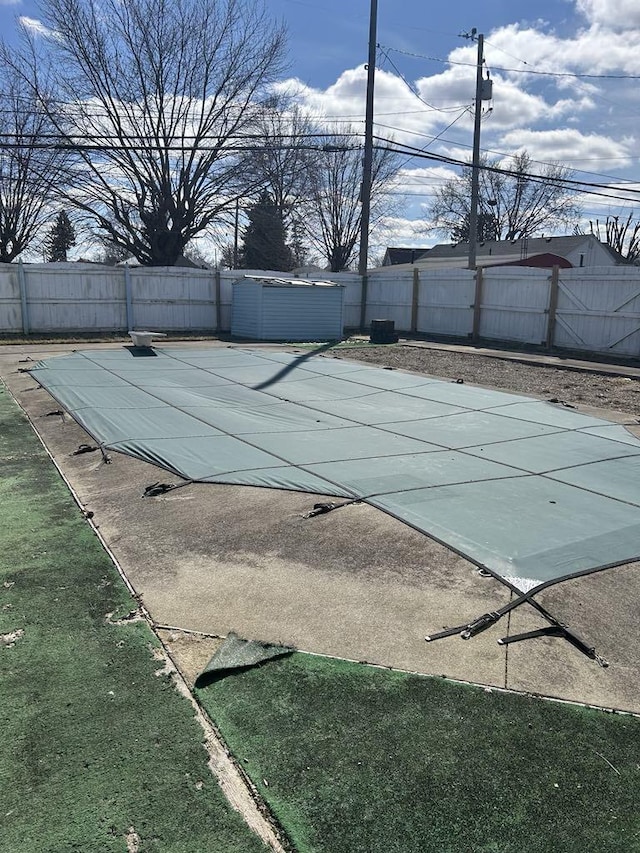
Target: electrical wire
x=588 y=188
x=517 y=70
x=405 y=81
x=382 y=143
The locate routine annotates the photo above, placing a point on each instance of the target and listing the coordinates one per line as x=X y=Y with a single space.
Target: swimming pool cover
x=532 y=491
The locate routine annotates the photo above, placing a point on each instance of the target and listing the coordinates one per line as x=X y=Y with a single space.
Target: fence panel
x=353 y=284
x=599 y=310
x=10 y=302
x=389 y=297
x=515 y=303
x=227 y=277
x=75 y=297
x=445 y=302
x=173 y=298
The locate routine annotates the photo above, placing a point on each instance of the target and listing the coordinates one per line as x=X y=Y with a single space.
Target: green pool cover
x=532 y=491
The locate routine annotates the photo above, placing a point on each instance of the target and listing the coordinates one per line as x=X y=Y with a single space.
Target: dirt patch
x=9 y=640
x=236 y=786
x=133 y=841
x=541 y=380
x=190 y=651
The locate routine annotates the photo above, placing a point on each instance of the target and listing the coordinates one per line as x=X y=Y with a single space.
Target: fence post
x=414 y=300
x=477 y=306
x=23 y=298
x=363 y=301
x=128 y=297
x=217 y=298
x=553 y=305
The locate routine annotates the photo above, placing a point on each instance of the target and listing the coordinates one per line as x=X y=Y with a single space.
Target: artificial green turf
x=92 y=742
x=362 y=759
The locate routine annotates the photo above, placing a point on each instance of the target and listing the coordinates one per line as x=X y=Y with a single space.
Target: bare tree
x=286 y=159
x=29 y=173
x=111 y=255
x=514 y=202
x=284 y=164
x=335 y=219
x=155 y=98
x=622 y=235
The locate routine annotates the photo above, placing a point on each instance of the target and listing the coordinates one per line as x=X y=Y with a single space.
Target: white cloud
x=571 y=147
x=588 y=123
x=34 y=26
x=595 y=49
x=398 y=112
x=343 y=100
x=616 y=14
x=400 y=231
x=10 y=2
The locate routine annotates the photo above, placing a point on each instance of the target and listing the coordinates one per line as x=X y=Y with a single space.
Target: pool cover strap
x=555 y=629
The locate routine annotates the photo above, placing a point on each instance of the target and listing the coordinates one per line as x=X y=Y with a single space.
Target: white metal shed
x=269 y=308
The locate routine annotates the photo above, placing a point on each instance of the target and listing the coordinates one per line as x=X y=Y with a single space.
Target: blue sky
x=330 y=35
x=589 y=123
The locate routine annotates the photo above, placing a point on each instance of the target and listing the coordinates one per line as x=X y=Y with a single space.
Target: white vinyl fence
x=589 y=309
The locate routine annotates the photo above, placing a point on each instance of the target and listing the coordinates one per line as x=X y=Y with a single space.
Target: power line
x=537 y=162
x=405 y=81
x=612 y=193
x=588 y=188
x=517 y=70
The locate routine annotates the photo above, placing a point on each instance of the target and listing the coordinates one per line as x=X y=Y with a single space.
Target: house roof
x=395 y=255
x=514 y=249
x=546 y=260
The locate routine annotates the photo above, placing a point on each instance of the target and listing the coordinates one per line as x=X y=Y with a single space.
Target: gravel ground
x=548 y=382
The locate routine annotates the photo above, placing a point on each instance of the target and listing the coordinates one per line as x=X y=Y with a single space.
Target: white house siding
x=590 y=254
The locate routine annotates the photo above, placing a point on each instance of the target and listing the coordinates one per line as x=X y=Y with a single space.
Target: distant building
x=583 y=250
x=395 y=256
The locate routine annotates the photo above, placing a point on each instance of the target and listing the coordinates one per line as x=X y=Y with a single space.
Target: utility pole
x=236 y=257
x=367 y=162
x=475 y=161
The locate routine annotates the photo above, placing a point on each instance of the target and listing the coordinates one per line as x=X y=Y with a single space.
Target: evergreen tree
x=264 y=246
x=61 y=237
x=299 y=250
